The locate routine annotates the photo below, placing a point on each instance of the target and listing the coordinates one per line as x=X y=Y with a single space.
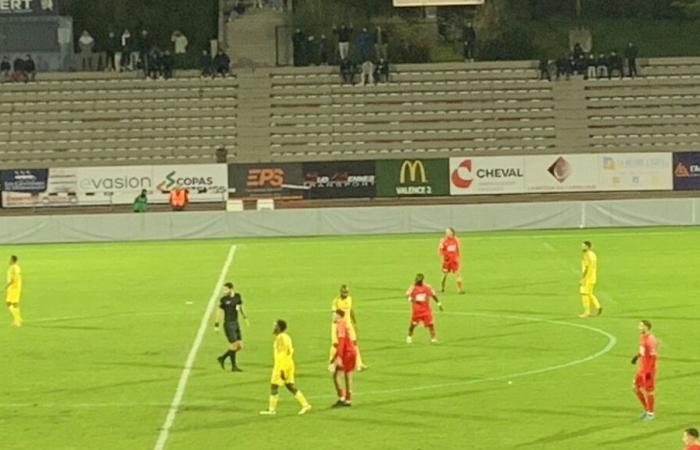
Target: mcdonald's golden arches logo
x=413 y=169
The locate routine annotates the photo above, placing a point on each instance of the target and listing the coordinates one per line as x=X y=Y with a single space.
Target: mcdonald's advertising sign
x=413 y=178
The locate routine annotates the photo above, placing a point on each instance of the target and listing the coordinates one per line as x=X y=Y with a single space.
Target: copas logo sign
x=172 y=180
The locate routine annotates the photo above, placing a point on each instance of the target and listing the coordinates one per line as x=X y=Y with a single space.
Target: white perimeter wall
x=343 y=221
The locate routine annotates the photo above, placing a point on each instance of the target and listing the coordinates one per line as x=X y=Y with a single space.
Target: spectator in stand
x=128 y=56
x=86 y=44
x=259 y=4
x=578 y=51
x=616 y=64
x=30 y=68
x=278 y=5
x=141 y=202
x=344 y=35
x=469 y=38
x=381 y=43
x=364 y=42
x=205 y=64
x=221 y=155
x=111 y=49
x=590 y=67
x=180 y=44
x=299 y=48
x=367 y=73
x=381 y=71
x=222 y=64
x=145 y=45
x=154 y=59
x=563 y=67
x=545 y=74
x=18 y=73
x=5 y=68
x=602 y=66
x=167 y=65
x=631 y=53
x=347 y=71
x=323 y=50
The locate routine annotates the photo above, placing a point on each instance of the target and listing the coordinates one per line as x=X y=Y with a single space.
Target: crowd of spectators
x=359 y=55
x=138 y=51
x=241 y=7
x=590 y=65
x=19 y=70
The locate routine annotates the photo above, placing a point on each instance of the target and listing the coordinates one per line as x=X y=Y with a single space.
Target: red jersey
x=345 y=348
x=449 y=248
x=648 y=347
x=693 y=447
x=420 y=297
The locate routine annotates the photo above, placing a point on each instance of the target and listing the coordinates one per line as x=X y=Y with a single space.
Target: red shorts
x=647 y=382
x=349 y=363
x=450 y=266
x=422 y=316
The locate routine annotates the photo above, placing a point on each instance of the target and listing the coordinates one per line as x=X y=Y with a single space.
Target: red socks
x=650 y=403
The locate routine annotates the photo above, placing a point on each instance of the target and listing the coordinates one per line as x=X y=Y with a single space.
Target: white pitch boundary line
x=187 y=370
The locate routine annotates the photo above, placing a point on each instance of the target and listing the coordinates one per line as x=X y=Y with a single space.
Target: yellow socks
x=595 y=301
x=273 y=403
x=586 y=304
x=300 y=398
x=16 y=315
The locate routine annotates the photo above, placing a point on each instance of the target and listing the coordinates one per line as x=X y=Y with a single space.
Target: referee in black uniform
x=230 y=304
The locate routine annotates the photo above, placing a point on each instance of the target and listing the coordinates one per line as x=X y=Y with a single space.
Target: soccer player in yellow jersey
x=13 y=291
x=283 y=371
x=589 y=277
x=344 y=303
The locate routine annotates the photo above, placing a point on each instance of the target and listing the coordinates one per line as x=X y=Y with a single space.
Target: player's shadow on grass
x=640 y=436
x=561 y=436
x=70 y=327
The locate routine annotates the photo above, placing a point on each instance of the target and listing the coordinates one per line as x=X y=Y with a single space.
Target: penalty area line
x=189 y=362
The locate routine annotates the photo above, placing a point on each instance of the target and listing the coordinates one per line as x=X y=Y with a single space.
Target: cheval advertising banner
x=119 y=185
x=561 y=173
x=413 y=178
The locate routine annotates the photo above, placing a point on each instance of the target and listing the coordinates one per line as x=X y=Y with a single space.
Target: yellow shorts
x=282 y=376
x=587 y=288
x=12 y=297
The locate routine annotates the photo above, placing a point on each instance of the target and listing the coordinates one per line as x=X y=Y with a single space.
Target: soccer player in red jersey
x=420 y=294
x=690 y=439
x=645 y=379
x=343 y=360
x=450 y=251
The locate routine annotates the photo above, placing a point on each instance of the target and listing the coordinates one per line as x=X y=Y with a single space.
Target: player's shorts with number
x=12 y=296
x=587 y=288
x=282 y=376
x=450 y=265
x=425 y=317
x=645 y=381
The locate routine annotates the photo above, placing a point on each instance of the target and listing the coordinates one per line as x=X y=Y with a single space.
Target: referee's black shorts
x=233 y=331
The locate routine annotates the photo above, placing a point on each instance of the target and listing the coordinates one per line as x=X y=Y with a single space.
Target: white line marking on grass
x=187 y=370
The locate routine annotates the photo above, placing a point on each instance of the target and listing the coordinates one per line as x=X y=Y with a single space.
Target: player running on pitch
x=420 y=294
x=645 y=380
x=449 y=249
x=589 y=277
x=13 y=291
x=343 y=360
x=344 y=303
x=231 y=304
x=283 y=371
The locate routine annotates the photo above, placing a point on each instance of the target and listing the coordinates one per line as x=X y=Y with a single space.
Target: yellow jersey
x=14 y=278
x=345 y=305
x=589 y=267
x=283 y=351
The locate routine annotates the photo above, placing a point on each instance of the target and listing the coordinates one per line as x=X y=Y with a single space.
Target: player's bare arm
x=439 y=304
x=217 y=318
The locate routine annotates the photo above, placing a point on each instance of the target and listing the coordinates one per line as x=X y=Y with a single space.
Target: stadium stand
x=100 y=119
x=305 y=114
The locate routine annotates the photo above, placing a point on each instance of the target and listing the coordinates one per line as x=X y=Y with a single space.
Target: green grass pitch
x=109 y=326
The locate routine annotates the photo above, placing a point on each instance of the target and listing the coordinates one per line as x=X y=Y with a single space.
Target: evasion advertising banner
x=118 y=185
x=487 y=175
x=340 y=179
x=635 y=172
x=413 y=177
x=561 y=173
x=686 y=171
x=266 y=180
